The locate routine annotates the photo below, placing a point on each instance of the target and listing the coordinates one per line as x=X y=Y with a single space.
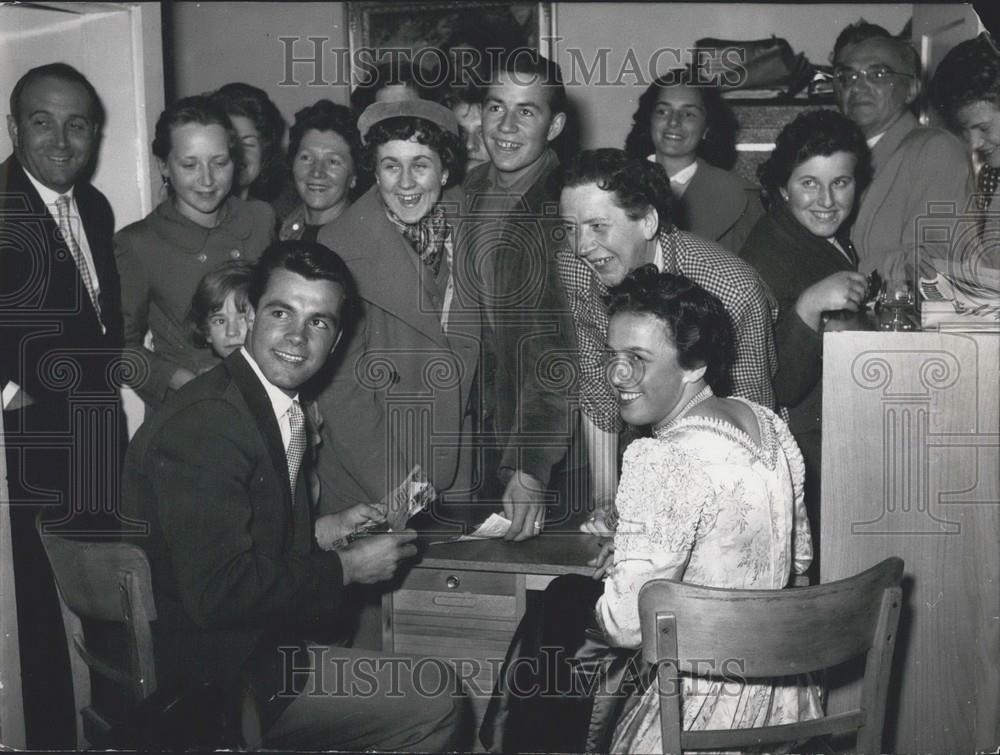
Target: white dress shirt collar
x=280 y=401
x=680 y=179
x=684 y=175
x=49 y=196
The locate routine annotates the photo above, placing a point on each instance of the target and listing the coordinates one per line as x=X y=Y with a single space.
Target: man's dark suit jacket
x=46 y=316
x=235 y=570
x=51 y=345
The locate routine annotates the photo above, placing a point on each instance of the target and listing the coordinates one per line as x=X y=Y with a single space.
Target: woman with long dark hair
x=683 y=124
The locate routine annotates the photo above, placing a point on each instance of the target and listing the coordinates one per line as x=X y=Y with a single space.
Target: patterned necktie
x=296 y=443
x=989 y=179
x=65 y=227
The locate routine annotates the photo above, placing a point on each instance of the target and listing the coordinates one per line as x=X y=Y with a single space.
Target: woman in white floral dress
x=714 y=498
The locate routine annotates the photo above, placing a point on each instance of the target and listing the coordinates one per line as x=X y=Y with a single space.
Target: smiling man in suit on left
x=60 y=356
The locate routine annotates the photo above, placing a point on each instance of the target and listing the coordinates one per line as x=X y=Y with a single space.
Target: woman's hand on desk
x=598 y=526
x=330 y=528
x=604 y=559
x=524 y=505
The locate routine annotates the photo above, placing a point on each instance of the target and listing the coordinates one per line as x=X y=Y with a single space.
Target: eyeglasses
x=876 y=75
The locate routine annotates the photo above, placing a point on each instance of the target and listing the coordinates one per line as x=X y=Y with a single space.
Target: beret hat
x=430 y=111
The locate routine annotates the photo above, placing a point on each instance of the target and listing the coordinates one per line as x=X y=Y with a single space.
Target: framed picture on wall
x=426 y=32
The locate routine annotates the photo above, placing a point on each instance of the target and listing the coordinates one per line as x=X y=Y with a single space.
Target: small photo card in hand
x=409 y=498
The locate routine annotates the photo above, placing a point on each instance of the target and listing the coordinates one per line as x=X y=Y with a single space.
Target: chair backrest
x=766 y=633
x=111 y=582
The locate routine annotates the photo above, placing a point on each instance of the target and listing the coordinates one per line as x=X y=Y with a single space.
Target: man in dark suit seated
x=237 y=575
x=60 y=360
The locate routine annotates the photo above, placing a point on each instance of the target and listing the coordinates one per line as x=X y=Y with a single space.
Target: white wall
x=216 y=43
x=643 y=28
x=129 y=82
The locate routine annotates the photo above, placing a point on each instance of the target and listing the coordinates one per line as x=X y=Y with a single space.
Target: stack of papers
x=954 y=304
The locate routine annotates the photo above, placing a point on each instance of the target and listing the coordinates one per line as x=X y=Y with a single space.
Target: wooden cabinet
x=911 y=468
x=467 y=617
x=464 y=600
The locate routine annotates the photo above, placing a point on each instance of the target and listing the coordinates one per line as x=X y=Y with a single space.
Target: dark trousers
x=47 y=472
x=561 y=687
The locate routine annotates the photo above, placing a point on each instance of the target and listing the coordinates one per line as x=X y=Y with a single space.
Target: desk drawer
x=455 y=604
x=459 y=581
x=455 y=594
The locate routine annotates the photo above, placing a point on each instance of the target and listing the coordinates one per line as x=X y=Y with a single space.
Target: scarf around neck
x=427 y=236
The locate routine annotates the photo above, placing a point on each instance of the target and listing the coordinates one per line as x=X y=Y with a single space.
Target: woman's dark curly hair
x=969 y=73
x=636 y=184
x=696 y=321
x=448 y=146
x=719 y=145
x=324 y=115
x=201 y=110
x=250 y=102
x=815 y=133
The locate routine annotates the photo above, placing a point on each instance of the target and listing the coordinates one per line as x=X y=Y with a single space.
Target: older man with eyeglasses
x=922 y=176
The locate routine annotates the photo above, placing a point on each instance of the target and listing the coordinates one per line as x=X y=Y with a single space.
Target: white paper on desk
x=951 y=301
x=495 y=526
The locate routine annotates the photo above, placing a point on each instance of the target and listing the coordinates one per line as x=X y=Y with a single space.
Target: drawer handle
x=453 y=582
x=454 y=601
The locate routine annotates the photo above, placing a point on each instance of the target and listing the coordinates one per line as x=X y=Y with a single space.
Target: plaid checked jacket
x=745 y=296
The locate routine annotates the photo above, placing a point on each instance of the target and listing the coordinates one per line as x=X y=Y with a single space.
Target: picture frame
x=377 y=27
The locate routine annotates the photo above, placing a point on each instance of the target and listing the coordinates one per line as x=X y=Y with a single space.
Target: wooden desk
x=911 y=468
x=463 y=600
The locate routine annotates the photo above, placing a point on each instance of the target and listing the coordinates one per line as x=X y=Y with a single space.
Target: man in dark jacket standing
x=515 y=234
x=60 y=363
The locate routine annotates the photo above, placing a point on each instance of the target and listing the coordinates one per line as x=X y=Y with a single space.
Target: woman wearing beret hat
x=400 y=395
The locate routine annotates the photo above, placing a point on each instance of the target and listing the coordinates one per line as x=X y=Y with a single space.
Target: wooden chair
x=103 y=581
x=111 y=582
x=773 y=633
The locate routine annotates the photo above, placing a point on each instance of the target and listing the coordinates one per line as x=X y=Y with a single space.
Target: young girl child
x=218 y=308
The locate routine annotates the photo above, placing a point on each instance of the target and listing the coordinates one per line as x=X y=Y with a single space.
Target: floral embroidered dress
x=704 y=503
